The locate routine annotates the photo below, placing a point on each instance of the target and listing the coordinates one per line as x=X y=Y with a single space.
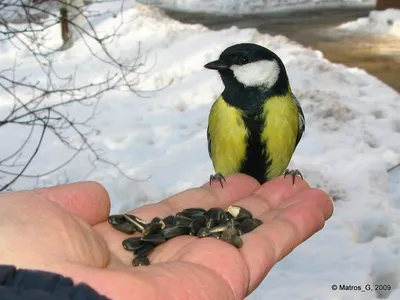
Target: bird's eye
x=243 y=60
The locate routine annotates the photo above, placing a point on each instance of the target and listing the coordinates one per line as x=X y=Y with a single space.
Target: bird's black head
x=246 y=65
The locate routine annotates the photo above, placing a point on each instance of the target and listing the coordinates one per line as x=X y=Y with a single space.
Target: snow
x=352 y=137
x=16 y=10
x=252 y=6
x=378 y=23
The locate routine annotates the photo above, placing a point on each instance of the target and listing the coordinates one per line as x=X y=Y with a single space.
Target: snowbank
x=251 y=6
x=352 y=137
x=377 y=23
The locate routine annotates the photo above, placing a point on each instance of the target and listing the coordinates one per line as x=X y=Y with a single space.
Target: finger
x=279 y=189
x=272 y=194
x=237 y=186
x=284 y=229
x=87 y=200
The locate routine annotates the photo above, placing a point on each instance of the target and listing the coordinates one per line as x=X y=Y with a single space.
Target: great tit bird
x=256 y=123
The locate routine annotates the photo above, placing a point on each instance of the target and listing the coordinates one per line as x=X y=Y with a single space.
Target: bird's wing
x=302 y=120
x=209 y=141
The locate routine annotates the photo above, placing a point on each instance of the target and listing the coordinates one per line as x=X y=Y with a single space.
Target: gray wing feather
x=209 y=141
x=302 y=120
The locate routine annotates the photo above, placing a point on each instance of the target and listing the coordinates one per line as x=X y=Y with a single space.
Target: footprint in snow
x=385 y=275
x=394 y=187
x=373 y=227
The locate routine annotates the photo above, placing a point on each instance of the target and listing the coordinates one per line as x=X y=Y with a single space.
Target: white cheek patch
x=259 y=73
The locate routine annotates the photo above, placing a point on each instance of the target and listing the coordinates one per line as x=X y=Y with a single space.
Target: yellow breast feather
x=281 y=119
x=227 y=134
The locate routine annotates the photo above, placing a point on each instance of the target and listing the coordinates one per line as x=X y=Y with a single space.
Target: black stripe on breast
x=257 y=162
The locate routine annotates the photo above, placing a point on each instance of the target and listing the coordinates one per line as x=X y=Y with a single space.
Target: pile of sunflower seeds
x=225 y=225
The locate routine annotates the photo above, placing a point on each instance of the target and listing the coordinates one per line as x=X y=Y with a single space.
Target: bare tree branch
x=45 y=101
x=3 y=188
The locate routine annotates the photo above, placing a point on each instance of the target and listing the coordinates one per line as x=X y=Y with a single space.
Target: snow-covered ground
x=16 y=10
x=352 y=138
x=376 y=24
x=252 y=6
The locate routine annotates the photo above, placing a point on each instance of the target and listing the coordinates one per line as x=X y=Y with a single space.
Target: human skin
x=64 y=230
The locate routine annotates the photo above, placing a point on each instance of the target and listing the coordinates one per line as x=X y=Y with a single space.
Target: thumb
x=88 y=200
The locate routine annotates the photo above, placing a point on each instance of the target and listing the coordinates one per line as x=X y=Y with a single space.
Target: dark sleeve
x=38 y=285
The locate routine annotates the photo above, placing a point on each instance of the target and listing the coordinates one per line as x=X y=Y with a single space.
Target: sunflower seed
x=217 y=214
x=216 y=235
x=135 y=221
x=210 y=223
x=140 y=261
x=240 y=213
x=258 y=222
x=145 y=250
x=155 y=239
x=182 y=220
x=203 y=232
x=116 y=219
x=169 y=220
x=222 y=227
x=156 y=220
x=194 y=210
x=127 y=228
x=248 y=225
x=133 y=243
x=231 y=236
x=195 y=226
x=202 y=219
x=155 y=225
x=175 y=231
x=234 y=210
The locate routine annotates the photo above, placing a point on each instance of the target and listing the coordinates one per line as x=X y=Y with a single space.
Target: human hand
x=64 y=230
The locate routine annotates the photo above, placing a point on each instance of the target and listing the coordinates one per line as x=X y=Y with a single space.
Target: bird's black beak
x=218 y=65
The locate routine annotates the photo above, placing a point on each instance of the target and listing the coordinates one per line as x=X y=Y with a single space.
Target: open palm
x=64 y=230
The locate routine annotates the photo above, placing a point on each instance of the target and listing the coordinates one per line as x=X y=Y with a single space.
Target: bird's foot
x=219 y=177
x=293 y=173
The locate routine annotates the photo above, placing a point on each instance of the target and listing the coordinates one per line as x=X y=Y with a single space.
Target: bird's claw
x=219 y=177
x=294 y=173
